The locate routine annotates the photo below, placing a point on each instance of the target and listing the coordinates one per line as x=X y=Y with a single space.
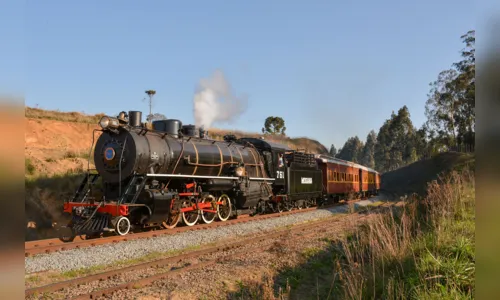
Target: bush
x=29 y=167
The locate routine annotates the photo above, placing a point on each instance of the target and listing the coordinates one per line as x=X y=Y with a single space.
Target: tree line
x=450 y=125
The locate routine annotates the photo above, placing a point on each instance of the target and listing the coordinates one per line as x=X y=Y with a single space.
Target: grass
x=422 y=250
x=80 y=154
x=37 y=113
x=29 y=167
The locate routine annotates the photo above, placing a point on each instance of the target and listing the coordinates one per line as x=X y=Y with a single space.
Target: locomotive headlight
x=104 y=122
x=108 y=122
x=240 y=171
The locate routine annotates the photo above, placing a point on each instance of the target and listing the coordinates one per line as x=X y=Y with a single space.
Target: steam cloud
x=208 y=107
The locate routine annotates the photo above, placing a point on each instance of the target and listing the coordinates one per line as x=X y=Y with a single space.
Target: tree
x=396 y=142
x=352 y=150
x=368 y=154
x=333 y=151
x=155 y=116
x=450 y=107
x=338 y=152
x=383 y=146
x=274 y=125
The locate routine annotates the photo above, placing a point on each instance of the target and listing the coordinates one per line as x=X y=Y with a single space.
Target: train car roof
x=263 y=144
x=329 y=159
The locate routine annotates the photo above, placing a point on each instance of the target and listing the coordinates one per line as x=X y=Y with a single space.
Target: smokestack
x=135 y=118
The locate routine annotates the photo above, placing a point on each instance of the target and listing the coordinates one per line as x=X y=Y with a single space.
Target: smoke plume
x=215 y=102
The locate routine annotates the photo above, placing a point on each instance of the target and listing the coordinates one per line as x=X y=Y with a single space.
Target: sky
x=330 y=69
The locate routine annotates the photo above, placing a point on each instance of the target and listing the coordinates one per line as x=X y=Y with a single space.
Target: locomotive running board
x=207 y=177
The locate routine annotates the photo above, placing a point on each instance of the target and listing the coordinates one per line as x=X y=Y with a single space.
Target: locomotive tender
x=159 y=174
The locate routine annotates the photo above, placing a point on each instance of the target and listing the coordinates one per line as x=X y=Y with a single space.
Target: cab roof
x=263 y=144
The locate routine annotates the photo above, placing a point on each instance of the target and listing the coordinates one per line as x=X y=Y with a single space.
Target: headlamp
x=108 y=122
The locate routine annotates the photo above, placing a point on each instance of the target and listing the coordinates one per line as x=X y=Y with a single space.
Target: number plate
x=306 y=180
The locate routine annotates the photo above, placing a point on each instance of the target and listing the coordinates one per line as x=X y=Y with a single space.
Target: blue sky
x=331 y=69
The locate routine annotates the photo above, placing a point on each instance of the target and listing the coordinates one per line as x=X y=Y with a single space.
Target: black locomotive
x=158 y=174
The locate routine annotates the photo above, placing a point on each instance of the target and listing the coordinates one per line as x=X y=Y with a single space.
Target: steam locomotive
x=161 y=173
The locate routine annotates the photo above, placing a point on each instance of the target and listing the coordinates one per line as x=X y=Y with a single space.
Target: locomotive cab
x=274 y=157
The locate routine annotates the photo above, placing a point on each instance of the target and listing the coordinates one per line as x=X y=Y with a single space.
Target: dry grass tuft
x=37 y=113
x=424 y=250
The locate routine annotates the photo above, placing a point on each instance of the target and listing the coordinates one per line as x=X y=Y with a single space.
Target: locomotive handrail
x=190 y=176
x=261 y=178
x=188 y=161
x=206 y=177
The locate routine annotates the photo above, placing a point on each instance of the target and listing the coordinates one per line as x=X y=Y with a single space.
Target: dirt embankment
x=56 y=147
x=414 y=178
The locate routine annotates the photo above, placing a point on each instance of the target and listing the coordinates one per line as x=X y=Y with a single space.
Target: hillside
x=414 y=178
x=58 y=142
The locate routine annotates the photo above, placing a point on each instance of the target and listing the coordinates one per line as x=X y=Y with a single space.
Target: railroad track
x=239 y=248
x=53 y=245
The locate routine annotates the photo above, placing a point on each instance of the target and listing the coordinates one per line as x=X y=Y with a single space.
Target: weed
x=29 y=167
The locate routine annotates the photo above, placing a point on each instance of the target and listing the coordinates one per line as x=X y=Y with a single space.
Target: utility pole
x=150 y=93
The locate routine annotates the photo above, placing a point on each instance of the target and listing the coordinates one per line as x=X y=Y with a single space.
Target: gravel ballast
x=109 y=254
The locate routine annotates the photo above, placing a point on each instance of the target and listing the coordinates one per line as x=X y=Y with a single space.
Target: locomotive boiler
x=171 y=153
